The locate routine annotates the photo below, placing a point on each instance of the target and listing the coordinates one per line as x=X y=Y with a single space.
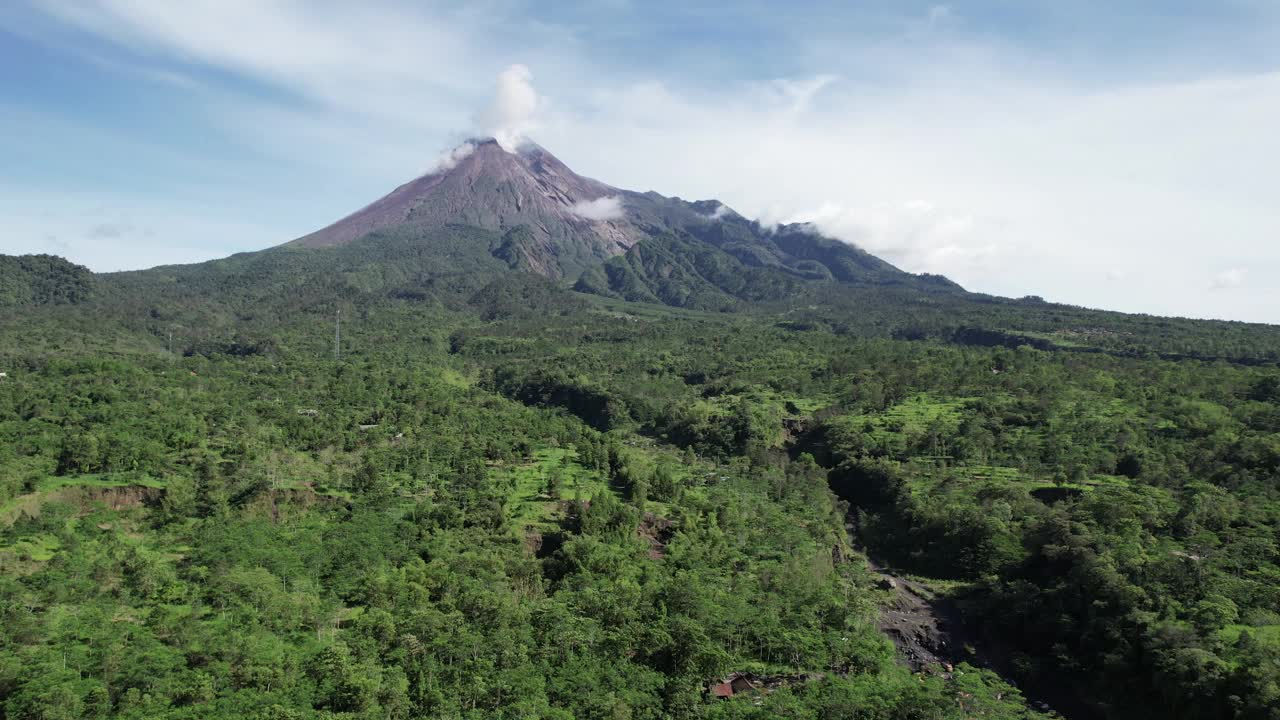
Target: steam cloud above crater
x=510 y=116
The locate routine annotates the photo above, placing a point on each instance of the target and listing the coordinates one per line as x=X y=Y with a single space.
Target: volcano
x=571 y=221
x=642 y=246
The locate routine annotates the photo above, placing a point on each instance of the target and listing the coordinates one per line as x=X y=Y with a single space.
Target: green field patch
x=768 y=400
x=928 y=479
x=997 y=473
x=1100 y=481
x=100 y=480
x=1266 y=635
x=809 y=405
x=913 y=415
x=529 y=500
x=53 y=488
x=1096 y=406
x=895 y=429
x=453 y=378
x=1089 y=485
x=1061 y=338
x=918 y=413
x=35 y=548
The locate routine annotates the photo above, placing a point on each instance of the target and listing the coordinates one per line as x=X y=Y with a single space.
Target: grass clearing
x=50 y=487
x=966 y=477
x=915 y=415
x=528 y=500
x=1267 y=635
x=902 y=425
x=453 y=378
x=36 y=548
x=102 y=480
x=810 y=405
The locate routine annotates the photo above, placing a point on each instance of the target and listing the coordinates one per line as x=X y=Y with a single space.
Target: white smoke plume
x=605 y=208
x=449 y=159
x=510 y=116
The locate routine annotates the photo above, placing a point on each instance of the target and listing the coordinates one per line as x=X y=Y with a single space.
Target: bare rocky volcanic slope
x=497 y=190
x=638 y=246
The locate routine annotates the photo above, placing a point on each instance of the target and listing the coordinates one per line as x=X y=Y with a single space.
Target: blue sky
x=1110 y=154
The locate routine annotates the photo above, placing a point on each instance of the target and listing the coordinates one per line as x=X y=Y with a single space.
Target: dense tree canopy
x=508 y=499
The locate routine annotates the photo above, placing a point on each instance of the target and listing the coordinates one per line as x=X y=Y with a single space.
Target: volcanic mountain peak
x=485 y=159
x=573 y=221
x=538 y=215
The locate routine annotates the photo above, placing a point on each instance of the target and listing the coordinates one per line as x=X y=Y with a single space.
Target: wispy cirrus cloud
x=367 y=56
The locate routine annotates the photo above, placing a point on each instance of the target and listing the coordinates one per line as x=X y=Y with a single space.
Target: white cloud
x=450 y=158
x=915 y=234
x=367 y=57
x=604 y=208
x=510 y=115
x=1030 y=183
x=800 y=92
x=1227 y=279
x=722 y=211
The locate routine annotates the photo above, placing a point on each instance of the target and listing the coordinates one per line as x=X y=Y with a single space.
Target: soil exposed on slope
x=931 y=636
x=926 y=630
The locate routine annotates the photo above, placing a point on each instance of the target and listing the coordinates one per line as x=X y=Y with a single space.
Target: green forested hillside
x=508 y=499
x=1112 y=520
x=28 y=280
x=727 y=263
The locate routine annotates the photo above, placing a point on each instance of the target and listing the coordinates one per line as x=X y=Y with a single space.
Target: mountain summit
x=572 y=221
x=542 y=217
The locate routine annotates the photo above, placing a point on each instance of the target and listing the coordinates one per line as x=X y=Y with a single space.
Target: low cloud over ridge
x=605 y=208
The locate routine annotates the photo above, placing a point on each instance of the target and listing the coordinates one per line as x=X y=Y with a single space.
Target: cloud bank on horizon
x=1064 y=151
